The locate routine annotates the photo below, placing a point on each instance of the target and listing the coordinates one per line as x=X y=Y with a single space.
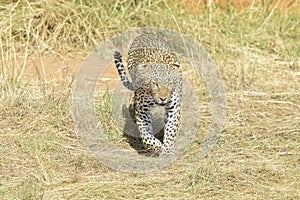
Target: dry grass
x=257 y=53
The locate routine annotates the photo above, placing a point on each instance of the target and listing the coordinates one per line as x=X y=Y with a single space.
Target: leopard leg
x=172 y=117
x=144 y=123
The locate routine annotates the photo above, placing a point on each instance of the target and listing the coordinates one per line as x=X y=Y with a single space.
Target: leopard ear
x=176 y=64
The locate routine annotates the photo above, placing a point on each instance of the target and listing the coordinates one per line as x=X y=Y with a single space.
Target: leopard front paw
x=167 y=149
x=152 y=144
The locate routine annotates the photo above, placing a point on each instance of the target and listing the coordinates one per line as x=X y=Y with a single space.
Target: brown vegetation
x=258 y=57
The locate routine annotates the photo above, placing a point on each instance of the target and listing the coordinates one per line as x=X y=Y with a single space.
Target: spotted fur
x=156 y=81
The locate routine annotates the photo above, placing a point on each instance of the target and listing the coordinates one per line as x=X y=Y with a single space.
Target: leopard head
x=161 y=79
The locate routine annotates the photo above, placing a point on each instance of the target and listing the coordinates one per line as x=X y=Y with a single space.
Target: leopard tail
x=121 y=70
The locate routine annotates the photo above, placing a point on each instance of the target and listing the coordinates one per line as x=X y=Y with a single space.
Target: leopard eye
x=176 y=64
x=143 y=66
x=156 y=85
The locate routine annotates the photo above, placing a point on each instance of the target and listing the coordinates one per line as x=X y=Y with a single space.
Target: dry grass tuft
x=257 y=52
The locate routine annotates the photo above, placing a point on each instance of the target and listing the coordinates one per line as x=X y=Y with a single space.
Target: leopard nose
x=162 y=98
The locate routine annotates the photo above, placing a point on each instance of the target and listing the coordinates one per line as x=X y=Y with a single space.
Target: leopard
x=156 y=80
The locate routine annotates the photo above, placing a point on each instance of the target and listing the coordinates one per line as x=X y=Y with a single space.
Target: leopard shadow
x=132 y=134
